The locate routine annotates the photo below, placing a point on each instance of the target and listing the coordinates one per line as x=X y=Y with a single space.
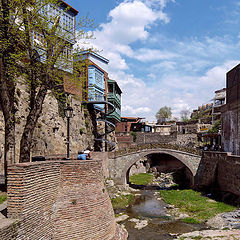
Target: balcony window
x=110 y=88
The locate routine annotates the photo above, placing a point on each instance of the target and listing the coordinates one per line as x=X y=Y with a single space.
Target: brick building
x=127 y=123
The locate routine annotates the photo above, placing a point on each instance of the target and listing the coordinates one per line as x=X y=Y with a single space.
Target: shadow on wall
x=165 y=163
x=218 y=173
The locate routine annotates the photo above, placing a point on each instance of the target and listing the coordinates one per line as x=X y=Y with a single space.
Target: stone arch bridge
x=121 y=161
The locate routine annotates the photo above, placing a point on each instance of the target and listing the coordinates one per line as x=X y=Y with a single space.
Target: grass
x=195 y=205
x=189 y=220
x=3 y=197
x=141 y=178
x=122 y=201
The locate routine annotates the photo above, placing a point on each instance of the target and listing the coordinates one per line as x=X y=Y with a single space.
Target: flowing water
x=161 y=226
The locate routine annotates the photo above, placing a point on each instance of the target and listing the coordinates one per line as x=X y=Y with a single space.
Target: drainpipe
x=106 y=147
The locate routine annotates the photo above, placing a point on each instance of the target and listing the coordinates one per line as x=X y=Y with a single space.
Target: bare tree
x=185 y=114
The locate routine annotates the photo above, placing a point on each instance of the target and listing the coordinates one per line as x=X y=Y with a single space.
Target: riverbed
x=149 y=219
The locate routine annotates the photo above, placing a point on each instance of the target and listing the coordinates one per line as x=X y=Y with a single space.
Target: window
x=99 y=78
x=110 y=88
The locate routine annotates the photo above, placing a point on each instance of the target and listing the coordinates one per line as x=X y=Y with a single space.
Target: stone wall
x=61 y=200
x=121 y=161
x=187 y=140
x=154 y=138
x=138 y=167
x=51 y=130
x=219 y=171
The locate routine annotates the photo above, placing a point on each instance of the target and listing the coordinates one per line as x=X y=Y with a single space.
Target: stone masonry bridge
x=122 y=160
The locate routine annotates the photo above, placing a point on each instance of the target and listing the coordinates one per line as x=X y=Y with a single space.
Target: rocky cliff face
x=51 y=130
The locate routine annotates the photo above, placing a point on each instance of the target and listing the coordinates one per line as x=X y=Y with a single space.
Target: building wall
x=219 y=170
x=164 y=129
x=121 y=127
x=231 y=113
x=190 y=128
x=61 y=200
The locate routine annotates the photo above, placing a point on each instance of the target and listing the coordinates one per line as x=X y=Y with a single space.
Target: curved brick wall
x=61 y=200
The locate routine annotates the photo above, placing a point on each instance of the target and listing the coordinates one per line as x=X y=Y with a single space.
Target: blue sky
x=165 y=52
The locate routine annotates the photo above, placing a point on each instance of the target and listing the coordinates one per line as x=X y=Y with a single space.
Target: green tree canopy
x=163 y=114
x=35 y=46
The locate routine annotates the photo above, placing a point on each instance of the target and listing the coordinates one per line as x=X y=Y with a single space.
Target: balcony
x=115 y=115
x=114 y=96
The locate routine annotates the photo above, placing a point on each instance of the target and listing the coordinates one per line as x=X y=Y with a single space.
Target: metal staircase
x=104 y=112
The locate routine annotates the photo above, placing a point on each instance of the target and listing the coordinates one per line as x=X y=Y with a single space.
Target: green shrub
x=3 y=198
x=134 y=136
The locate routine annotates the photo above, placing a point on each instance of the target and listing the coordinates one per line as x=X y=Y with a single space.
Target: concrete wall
x=61 y=200
x=219 y=171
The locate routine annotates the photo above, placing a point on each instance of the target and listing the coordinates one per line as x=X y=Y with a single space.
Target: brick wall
x=125 y=139
x=8 y=229
x=61 y=200
x=103 y=156
x=220 y=171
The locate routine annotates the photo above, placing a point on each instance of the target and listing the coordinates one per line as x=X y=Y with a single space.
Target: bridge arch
x=122 y=164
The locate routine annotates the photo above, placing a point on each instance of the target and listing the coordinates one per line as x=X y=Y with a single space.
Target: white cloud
x=134 y=111
x=180 y=74
x=164 y=65
x=129 y=22
x=146 y=55
x=151 y=76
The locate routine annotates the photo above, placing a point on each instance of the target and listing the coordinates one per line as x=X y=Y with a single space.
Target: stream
x=151 y=214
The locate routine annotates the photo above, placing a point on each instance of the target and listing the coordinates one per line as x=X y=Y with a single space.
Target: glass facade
x=96 y=86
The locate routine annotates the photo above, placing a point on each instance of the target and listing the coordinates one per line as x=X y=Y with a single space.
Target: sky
x=171 y=53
